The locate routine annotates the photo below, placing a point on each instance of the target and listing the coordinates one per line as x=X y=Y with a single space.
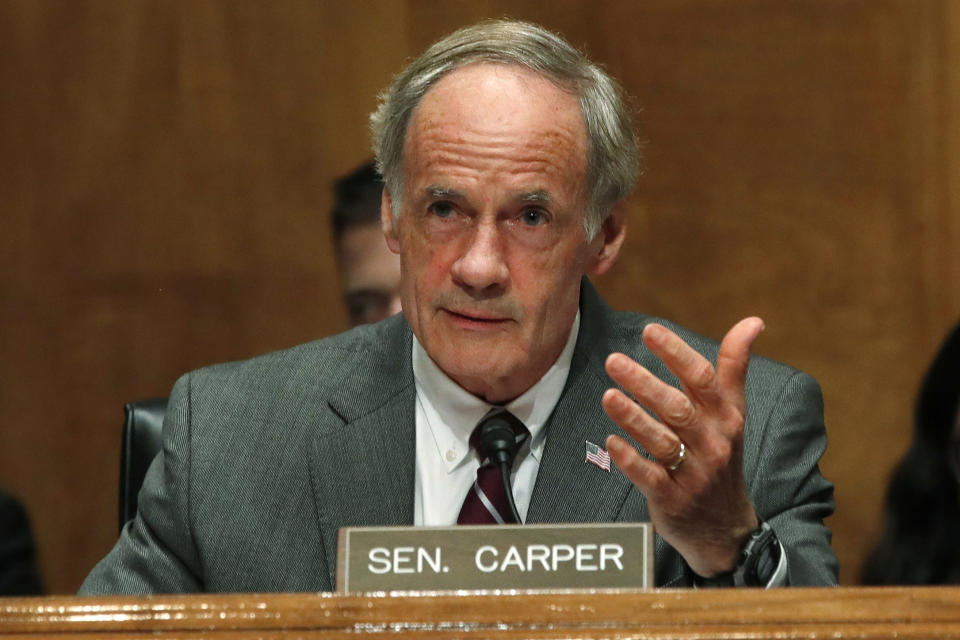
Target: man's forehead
x=500 y=97
x=507 y=118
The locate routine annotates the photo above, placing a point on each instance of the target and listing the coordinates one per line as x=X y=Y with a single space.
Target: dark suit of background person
x=264 y=460
x=18 y=569
x=921 y=535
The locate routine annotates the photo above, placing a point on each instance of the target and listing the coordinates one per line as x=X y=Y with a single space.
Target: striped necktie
x=486 y=501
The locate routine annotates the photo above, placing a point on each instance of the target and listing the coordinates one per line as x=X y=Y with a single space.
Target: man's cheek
x=436 y=269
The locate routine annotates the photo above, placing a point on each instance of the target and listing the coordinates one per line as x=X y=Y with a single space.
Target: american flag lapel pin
x=598 y=456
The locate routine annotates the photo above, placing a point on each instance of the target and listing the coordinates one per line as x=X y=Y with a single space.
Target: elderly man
x=506 y=155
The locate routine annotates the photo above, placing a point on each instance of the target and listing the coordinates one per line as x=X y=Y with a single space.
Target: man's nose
x=482 y=266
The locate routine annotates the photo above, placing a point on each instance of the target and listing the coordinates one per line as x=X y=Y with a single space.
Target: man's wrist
x=756 y=565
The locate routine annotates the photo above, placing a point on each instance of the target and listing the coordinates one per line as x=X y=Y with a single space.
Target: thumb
x=734 y=357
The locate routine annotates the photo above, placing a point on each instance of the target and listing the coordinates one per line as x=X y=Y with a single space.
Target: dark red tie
x=486 y=501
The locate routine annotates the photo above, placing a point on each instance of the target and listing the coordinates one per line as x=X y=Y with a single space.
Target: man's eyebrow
x=438 y=192
x=540 y=195
x=435 y=191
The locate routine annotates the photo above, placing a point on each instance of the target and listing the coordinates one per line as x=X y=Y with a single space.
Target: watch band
x=756 y=563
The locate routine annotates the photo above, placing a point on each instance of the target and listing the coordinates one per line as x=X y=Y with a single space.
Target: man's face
x=369 y=274
x=491 y=237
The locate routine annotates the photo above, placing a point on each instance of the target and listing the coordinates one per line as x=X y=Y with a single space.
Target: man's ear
x=388 y=223
x=605 y=247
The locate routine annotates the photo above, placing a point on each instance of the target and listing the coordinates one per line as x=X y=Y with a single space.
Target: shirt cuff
x=779 y=577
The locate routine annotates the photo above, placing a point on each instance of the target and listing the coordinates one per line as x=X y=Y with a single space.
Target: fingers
x=695 y=372
x=699 y=378
x=650 y=477
x=671 y=404
x=710 y=403
x=662 y=442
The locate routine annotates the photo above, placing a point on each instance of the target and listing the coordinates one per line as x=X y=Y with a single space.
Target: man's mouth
x=476 y=318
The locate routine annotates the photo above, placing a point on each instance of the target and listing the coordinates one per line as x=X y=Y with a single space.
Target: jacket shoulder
x=357 y=368
x=319 y=364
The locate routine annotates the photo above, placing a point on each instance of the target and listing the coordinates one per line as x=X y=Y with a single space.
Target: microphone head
x=498 y=441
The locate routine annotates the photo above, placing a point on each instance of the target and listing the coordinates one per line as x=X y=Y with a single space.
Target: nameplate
x=495 y=557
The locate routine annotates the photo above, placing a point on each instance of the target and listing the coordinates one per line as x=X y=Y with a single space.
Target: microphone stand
x=499 y=444
x=508 y=487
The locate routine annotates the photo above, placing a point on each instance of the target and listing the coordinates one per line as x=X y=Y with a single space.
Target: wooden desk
x=784 y=613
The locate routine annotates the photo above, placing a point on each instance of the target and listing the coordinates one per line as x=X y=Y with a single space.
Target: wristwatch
x=756 y=564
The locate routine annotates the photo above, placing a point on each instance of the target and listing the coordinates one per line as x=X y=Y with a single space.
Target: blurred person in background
x=369 y=271
x=18 y=568
x=921 y=536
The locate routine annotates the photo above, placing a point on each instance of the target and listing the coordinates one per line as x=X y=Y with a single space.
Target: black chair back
x=141 y=442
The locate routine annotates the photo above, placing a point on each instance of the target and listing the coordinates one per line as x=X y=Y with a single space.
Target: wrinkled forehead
x=499 y=90
x=498 y=111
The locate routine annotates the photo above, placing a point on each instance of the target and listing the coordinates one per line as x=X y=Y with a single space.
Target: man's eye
x=441 y=209
x=533 y=217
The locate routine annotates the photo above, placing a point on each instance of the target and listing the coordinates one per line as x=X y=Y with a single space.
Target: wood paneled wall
x=164 y=188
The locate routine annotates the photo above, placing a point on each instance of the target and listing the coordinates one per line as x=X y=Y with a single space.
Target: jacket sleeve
x=155 y=552
x=787 y=488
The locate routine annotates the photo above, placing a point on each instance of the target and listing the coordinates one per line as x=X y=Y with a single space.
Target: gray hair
x=613 y=155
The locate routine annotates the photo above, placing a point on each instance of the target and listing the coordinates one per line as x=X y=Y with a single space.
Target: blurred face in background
x=369 y=274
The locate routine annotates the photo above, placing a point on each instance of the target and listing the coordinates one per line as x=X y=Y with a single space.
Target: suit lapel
x=569 y=489
x=362 y=458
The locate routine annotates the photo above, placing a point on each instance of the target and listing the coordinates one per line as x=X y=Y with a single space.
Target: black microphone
x=498 y=443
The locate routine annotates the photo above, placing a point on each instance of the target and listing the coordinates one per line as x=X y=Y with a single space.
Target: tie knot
x=498 y=431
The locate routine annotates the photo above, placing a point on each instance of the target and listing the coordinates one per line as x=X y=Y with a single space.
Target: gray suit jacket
x=264 y=460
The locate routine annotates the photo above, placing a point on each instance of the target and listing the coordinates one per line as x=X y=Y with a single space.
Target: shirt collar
x=452 y=412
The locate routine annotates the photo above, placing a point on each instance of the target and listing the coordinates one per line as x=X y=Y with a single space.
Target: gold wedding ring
x=680 y=458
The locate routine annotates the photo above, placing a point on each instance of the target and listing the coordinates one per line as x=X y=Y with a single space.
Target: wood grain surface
x=725 y=613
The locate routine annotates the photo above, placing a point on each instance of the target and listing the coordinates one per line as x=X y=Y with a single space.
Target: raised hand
x=695 y=489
